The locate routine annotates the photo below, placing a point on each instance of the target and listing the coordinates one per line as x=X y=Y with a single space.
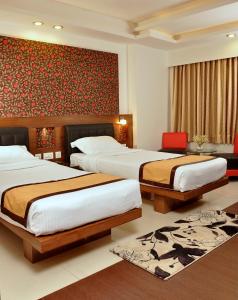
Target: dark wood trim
x=166 y=199
x=39 y=122
x=165 y=204
x=34 y=256
x=35 y=246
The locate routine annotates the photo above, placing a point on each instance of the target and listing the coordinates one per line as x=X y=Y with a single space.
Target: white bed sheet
x=127 y=163
x=69 y=210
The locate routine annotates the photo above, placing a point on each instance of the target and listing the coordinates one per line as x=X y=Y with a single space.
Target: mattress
x=128 y=161
x=68 y=210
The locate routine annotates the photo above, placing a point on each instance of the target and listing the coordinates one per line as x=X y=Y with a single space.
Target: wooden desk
x=215 y=276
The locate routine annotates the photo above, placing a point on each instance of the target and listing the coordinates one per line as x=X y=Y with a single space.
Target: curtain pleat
x=204 y=99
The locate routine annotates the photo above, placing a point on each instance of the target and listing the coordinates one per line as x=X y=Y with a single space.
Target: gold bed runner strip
x=16 y=201
x=162 y=172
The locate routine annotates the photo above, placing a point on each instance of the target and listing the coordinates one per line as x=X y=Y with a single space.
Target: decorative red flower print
x=41 y=79
x=45 y=137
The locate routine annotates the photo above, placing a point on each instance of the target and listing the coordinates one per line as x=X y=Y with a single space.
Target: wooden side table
x=203 y=152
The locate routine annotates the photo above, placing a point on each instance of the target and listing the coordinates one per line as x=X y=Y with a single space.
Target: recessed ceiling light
x=231 y=35
x=58 y=27
x=38 y=23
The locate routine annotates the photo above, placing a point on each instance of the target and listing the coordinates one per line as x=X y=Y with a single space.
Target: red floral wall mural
x=45 y=137
x=41 y=79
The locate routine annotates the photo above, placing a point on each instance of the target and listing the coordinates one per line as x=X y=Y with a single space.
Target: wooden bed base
x=165 y=200
x=38 y=248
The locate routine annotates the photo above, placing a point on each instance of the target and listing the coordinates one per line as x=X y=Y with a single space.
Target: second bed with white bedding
x=127 y=162
x=68 y=210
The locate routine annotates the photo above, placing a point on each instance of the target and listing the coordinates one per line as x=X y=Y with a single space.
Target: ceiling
x=165 y=24
x=123 y=9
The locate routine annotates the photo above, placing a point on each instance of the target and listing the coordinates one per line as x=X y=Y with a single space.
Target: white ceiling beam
x=221 y=28
x=164 y=36
x=156 y=34
x=177 y=11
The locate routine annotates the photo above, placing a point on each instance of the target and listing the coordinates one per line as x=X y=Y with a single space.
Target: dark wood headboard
x=74 y=132
x=14 y=136
x=58 y=123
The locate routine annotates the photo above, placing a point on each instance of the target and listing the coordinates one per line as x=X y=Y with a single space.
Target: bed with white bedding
x=58 y=221
x=93 y=148
x=69 y=210
x=127 y=163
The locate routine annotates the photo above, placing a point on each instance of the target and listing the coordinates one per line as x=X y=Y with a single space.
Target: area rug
x=169 y=249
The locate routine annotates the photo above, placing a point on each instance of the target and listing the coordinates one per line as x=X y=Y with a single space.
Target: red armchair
x=232 y=169
x=174 y=142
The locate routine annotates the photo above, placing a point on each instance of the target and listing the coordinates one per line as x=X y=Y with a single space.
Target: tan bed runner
x=161 y=172
x=16 y=201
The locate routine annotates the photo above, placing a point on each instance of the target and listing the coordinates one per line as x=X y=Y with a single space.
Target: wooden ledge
x=45 y=244
x=184 y=196
x=167 y=200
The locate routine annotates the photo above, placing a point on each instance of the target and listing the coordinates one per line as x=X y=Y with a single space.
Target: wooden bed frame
x=164 y=199
x=38 y=248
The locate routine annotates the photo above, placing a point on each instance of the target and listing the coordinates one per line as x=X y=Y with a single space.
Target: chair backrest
x=176 y=140
x=236 y=144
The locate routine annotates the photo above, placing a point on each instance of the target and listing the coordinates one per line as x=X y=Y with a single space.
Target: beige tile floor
x=20 y=280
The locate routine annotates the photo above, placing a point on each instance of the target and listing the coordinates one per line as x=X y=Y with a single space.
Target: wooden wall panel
x=59 y=122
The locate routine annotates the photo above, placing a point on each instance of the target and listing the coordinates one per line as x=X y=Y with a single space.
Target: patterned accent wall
x=45 y=137
x=41 y=79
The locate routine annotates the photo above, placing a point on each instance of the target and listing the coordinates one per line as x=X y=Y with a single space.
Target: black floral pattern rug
x=169 y=249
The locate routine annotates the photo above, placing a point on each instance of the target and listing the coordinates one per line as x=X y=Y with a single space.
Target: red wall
x=41 y=79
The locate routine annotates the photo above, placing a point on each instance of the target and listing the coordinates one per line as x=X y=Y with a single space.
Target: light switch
x=58 y=154
x=38 y=155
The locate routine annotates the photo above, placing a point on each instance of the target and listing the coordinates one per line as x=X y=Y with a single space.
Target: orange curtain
x=204 y=99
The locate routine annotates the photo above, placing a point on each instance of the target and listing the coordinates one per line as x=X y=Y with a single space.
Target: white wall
x=148 y=94
x=205 y=52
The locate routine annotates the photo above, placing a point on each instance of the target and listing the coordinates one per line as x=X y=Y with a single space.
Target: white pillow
x=97 y=144
x=13 y=153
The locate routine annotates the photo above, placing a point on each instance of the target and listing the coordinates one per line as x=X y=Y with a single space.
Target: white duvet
x=69 y=210
x=128 y=161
